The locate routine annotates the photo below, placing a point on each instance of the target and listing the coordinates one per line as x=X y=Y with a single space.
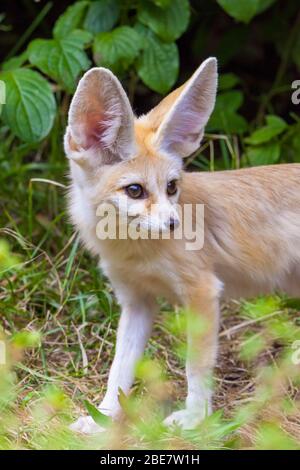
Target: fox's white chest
x=157 y=276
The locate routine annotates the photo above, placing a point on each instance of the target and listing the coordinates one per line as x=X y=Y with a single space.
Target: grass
x=52 y=290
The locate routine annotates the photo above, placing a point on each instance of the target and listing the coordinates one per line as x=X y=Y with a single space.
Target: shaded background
x=257 y=52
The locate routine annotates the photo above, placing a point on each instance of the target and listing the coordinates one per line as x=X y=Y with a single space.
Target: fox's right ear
x=100 y=119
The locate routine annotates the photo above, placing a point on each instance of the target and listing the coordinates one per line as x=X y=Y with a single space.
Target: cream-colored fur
x=251 y=229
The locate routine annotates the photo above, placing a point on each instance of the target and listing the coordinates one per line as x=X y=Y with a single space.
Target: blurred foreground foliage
x=143 y=42
x=53 y=357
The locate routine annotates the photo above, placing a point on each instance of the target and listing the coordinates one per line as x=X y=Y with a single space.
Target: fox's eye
x=135 y=191
x=172 y=188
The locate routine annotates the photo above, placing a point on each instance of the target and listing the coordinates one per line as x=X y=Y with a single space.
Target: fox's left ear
x=186 y=111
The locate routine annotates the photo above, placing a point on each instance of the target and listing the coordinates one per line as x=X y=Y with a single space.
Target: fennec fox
x=251 y=223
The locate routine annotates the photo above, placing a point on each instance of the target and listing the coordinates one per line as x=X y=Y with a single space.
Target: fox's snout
x=173 y=224
x=158 y=218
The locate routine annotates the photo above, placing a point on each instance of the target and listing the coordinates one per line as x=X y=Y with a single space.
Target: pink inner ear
x=94 y=128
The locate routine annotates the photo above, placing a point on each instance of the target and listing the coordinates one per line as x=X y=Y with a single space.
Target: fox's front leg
x=202 y=335
x=134 y=329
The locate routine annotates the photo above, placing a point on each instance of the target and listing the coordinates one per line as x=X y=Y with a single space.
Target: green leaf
x=158 y=65
x=241 y=10
x=30 y=105
x=225 y=117
x=71 y=19
x=264 y=154
x=275 y=126
x=228 y=81
x=244 y=10
x=102 y=16
x=15 y=62
x=99 y=418
x=81 y=37
x=116 y=49
x=276 y=122
x=61 y=59
x=169 y=22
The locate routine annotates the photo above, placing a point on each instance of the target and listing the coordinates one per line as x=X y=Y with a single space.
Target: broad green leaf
x=116 y=49
x=241 y=10
x=232 y=100
x=168 y=23
x=99 y=418
x=102 y=15
x=81 y=37
x=275 y=126
x=158 y=65
x=276 y=122
x=264 y=154
x=245 y=10
x=30 y=105
x=61 y=59
x=225 y=117
x=71 y=19
x=228 y=81
x=15 y=62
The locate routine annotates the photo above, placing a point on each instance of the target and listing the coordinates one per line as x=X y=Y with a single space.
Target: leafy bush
x=137 y=40
x=119 y=35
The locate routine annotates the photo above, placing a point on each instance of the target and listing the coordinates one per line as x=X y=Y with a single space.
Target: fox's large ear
x=100 y=117
x=181 y=117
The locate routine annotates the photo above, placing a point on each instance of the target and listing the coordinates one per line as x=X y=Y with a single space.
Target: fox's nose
x=173 y=223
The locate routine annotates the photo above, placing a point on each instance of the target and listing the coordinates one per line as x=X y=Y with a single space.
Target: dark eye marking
x=172 y=187
x=135 y=191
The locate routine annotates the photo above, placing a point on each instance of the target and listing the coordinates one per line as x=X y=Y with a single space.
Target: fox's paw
x=86 y=425
x=185 y=419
